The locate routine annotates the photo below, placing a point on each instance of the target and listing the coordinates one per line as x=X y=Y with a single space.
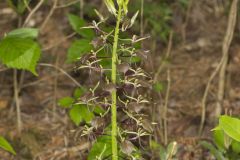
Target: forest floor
x=47 y=131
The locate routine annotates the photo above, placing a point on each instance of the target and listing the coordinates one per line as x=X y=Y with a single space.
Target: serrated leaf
x=20 y=53
x=231 y=126
x=77 y=49
x=6 y=146
x=24 y=33
x=77 y=23
x=101 y=148
x=65 y=102
x=80 y=113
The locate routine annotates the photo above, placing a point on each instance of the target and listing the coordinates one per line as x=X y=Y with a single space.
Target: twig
x=81 y=8
x=68 y=4
x=16 y=97
x=165 y=109
x=55 y=2
x=225 y=48
x=59 y=42
x=167 y=56
x=203 y=102
x=32 y=12
x=27 y=6
x=222 y=63
x=61 y=70
x=55 y=89
x=142 y=11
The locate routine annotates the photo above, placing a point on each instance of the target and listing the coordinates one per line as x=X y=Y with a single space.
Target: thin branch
x=32 y=12
x=225 y=48
x=55 y=2
x=68 y=4
x=17 y=102
x=165 y=109
x=59 y=42
x=221 y=66
x=61 y=70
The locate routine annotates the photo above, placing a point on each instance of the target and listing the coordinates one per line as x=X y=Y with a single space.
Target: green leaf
x=19 y=53
x=154 y=145
x=24 y=33
x=77 y=23
x=18 y=5
x=172 y=149
x=98 y=110
x=162 y=152
x=236 y=146
x=78 y=92
x=158 y=87
x=77 y=49
x=65 y=102
x=102 y=148
x=218 y=136
x=231 y=126
x=80 y=113
x=6 y=146
x=217 y=154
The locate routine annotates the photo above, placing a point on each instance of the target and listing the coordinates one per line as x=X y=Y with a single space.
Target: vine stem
x=114 y=93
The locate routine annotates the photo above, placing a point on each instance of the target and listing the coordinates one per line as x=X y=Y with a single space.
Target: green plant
x=163 y=153
x=19 y=50
x=226 y=139
x=110 y=57
x=6 y=146
x=19 y=5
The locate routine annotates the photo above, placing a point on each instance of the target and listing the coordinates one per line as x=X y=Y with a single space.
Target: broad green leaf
x=65 y=102
x=77 y=23
x=80 y=113
x=19 y=53
x=111 y=7
x=98 y=110
x=24 y=33
x=218 y=136
x=77 y=49
x=6 y=146
x=236 y=146
x=102 y=148
x=217 y=154
x=231 y=126
x=78 y=92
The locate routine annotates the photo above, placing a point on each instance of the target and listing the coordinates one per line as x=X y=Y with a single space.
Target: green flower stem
x=114 y=93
